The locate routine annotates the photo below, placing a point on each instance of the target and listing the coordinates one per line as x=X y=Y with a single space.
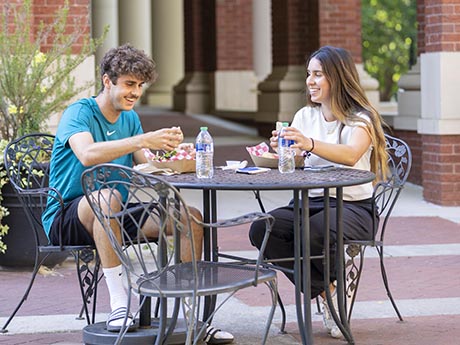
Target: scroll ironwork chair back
x=386 y=194
x=119 y=196
x=26 y=161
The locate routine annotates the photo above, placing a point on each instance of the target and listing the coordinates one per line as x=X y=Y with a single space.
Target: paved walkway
x=422 y=259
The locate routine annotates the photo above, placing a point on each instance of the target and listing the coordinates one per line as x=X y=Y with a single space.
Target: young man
x=103 y=129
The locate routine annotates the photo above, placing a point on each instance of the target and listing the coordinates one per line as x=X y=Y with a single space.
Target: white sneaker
x=328 y=320
x=215 y=336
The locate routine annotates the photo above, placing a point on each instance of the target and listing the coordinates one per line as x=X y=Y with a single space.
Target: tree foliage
x=389 y=32
x=35 y=83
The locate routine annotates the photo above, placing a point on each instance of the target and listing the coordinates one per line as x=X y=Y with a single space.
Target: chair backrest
x=26 y=161
x=386 y=192
x=120 y=195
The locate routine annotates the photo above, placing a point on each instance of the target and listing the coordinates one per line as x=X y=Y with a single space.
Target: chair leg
x=353 y=274
x=26 y=293
x=385 y=282
x=283 y=314
x=259 y=200
x=273 y=287
x=318 y=308
x=88 y=280
x=162 y=325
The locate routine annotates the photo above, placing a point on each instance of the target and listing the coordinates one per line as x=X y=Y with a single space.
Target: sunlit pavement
x=422 y=260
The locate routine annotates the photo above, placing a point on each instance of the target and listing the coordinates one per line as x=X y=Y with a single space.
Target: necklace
x=330 y=126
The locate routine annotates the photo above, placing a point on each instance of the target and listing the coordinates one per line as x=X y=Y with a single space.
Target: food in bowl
x=262 y=157
x=270 y=155
x=180 y=160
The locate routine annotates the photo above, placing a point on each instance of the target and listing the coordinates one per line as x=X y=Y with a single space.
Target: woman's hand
x=274 y=140
x=301 y=142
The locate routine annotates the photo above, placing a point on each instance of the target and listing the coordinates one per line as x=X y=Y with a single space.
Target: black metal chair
x=153 y=266
x=386 y=194
x=26 y=161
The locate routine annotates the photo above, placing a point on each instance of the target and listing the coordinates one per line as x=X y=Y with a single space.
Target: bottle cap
x=203 y=128
x=285 y=124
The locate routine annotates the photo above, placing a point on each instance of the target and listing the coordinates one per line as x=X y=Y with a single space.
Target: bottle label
x=286 y=142
x=203 y=147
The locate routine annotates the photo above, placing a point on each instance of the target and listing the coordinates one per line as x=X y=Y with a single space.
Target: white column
x=105 y=12
x=409 y=100
x=135 y=23
x=168 y=50
x=370 y=86
x=262 y=38
x=280 y=94
x=440 y=82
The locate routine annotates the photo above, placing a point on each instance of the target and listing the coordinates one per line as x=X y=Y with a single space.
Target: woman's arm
x=346 y=154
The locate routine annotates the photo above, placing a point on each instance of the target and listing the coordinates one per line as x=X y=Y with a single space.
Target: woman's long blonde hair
x=348 y=99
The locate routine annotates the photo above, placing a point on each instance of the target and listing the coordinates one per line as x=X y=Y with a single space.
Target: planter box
x=21 y=238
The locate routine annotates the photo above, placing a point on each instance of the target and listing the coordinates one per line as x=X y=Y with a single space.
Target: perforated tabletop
x=273 y=180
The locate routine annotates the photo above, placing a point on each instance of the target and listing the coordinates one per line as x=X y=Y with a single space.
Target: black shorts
x=73 y=231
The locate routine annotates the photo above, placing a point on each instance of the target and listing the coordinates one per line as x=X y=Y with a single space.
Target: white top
x=310 y=121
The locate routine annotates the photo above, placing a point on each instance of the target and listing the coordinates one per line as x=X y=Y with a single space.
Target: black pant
x=357 y=225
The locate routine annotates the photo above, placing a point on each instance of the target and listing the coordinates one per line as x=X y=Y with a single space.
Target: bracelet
x=307 y=153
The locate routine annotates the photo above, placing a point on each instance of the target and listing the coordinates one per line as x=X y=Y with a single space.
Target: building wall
x=439 y=123
x=78 y=21
x=219 y=61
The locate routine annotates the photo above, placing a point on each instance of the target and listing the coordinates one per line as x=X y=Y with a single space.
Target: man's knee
x=196 y=213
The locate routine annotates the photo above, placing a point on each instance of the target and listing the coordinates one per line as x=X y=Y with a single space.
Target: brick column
x=294 y=36
x=440 y=121
x=340 y=26
x=193 y=93
x=234 y=79
x=299 y=28
x=405 y=123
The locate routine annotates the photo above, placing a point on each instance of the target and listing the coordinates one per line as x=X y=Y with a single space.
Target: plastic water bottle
x=286 y=161
x=204 y=146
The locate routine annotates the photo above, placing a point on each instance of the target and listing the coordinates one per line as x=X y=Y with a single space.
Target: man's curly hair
x=127 y=60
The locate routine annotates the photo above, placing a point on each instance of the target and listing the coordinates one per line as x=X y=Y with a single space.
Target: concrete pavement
x=422 y=260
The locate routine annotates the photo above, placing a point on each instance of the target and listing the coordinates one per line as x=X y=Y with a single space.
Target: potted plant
x=37 y=75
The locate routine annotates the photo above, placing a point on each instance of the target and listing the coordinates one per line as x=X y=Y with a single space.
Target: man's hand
x=166 y=139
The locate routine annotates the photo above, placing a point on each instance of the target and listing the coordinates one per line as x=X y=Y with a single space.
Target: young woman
x=338 y=126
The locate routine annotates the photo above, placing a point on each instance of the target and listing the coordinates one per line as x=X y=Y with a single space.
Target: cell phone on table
x=318 y=168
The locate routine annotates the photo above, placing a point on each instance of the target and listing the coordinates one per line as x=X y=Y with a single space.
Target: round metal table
x=300 y=182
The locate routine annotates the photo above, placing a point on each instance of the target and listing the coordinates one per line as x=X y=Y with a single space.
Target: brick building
x=245 y=60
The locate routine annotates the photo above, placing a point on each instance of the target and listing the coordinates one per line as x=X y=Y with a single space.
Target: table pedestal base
x=97 y=334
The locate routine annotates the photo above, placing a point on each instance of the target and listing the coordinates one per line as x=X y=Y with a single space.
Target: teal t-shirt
x=65 y=168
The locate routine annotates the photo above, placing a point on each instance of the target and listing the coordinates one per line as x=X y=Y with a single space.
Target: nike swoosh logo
x=110 y=133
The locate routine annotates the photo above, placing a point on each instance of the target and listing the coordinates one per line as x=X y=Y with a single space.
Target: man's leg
x=111 y=265
x=197 y=233
x=213 y=335
x=150 y=230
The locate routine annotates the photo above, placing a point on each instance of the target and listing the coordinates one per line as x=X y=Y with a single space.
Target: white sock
x=117 y=292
